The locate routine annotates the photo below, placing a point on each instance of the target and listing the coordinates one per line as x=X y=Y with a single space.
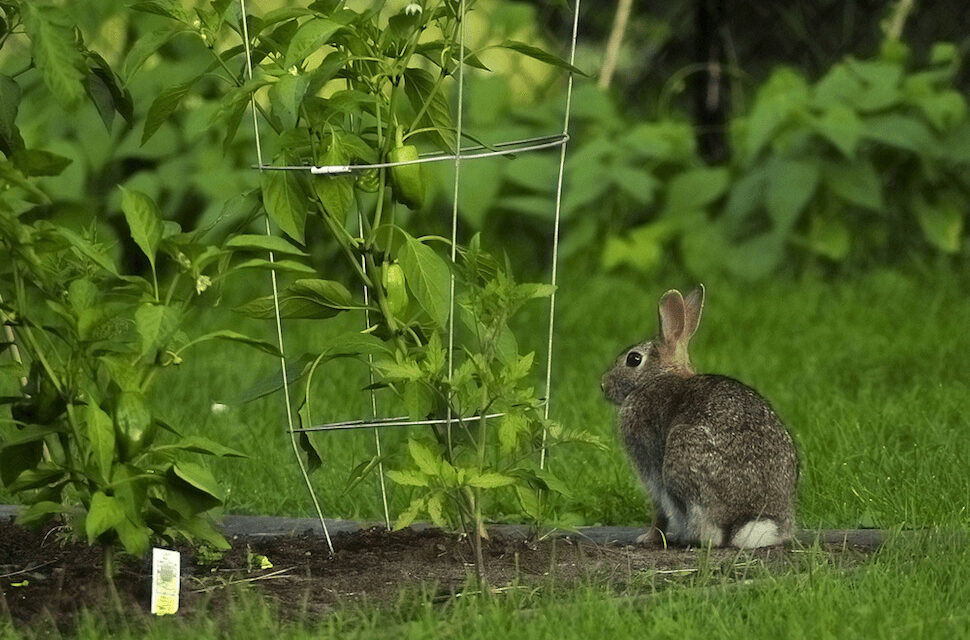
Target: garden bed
x=58 y=578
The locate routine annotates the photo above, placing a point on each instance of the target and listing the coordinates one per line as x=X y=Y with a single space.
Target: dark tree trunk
x=710 y=86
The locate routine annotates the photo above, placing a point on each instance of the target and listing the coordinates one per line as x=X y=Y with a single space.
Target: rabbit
x=719 y=465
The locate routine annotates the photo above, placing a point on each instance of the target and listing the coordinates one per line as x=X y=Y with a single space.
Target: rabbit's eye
x=633 y=359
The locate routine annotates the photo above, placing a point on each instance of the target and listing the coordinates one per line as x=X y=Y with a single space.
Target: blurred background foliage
x=732 y=138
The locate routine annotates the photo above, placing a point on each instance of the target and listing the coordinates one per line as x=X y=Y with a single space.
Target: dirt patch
x=45 y=577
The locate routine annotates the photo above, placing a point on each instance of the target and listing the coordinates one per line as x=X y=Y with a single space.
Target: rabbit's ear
x=693 y=307
x=673 y=316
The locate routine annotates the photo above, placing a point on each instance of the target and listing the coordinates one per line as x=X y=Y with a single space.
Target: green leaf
x=145 y=47
x=695 y=188
x=34 y=162
x=201 y=479
x=857 y=182
x=155 y=324
x=540 y=55
x=553 y=482
x=252 y=242
x=358 y=473
x=408 y=478
x=529 y=502
x=418 y=400
x=899 y=131
x=418 y=86
x=288 y=266
x=198 y=444
x=311 y=35
x=286 y=96
x=144 y=221
x=941 y=222
x=427 y=460
x=791 y=184
x=54 y=50
x=101 y=435
x=104 y=513
x=93 y=253
x=409 y=515
x=38 y=513
x=436 y=511
x=428 y=278
x=510 y=428
x=134 y=537
x=490 y=480
x=841 y=127
x=23 y=452
x=285 y=202
x=163 y=106
x=235 y=336
x=200 y=528
x=783 y=94
x=829 y=238
x=336 y=193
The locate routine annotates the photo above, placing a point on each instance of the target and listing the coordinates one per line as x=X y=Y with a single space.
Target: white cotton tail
x=757 y=533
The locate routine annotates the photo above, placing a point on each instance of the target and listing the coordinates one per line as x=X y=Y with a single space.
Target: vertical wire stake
x=555 y=240
x=454 y=215
x=276 y=302
x=373 y=395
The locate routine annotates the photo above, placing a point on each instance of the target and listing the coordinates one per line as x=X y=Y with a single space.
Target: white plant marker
x=166 y=576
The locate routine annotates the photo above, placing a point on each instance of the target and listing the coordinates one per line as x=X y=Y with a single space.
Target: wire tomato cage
x=460 y=154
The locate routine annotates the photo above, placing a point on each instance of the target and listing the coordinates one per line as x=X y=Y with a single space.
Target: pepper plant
x=89 y=342
x=337 y=86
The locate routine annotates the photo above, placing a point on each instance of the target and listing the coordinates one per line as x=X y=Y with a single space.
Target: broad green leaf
x=23 y=452
x=695 y=188
x=829 y=238
x=857 y=182
x=420 y=87
x=286 y=96
x=200 y=528
x=253 y=242
x=235 y=336
x=198 y=444
x=155 y=324
x=38 y=513
x=101 y=435
x=290 y=307
x=144 y=221
x=358 y=473
x=428 y=278
x=436 y=511
x=326 y=293
x=510 y=428
x=841 y=127
x=427 y=460
x=490 y=480
x=133 y=537
x=897 y=130
x=171 y=9
x=288 y=266
x=529 y=502
x=409 y=515
x=408 y=478
x=358 y=344
x=34 y=162
x=199 y=478
x=311 y=35
x=104 y=514
x=418 y=400
x=163 y=106
x=540 y=55
x=784 y=93
x=408 y=371
x=941 y=222
x=54 y=51
x=285 y=202
x=553 y=482
x=791 y=184
x=145 y=47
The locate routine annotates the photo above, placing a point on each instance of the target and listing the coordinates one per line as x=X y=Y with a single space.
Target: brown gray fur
x=718 y=463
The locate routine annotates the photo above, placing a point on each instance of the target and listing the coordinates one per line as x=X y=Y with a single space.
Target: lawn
x=870 y=373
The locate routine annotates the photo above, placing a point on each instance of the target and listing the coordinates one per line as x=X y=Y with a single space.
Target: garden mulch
x=47 y=579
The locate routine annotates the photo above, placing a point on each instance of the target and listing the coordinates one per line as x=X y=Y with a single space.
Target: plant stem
x=615 y=43
x=109 y=578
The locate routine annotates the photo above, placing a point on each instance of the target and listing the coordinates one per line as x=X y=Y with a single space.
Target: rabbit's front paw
x=652 y=537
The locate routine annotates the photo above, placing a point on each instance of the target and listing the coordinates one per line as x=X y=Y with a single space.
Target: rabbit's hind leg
x=701 y=528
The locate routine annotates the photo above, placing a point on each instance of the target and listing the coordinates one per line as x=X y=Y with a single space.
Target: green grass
x=871 y=374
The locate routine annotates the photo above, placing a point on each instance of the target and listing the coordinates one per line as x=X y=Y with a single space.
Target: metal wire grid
x=507 y=149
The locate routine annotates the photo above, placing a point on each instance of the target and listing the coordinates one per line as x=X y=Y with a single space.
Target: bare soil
x=46 y=578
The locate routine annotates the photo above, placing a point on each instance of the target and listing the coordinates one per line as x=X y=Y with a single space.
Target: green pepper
x=408 y=180
x=134 y=427
x=369 y=180
x=394 y=285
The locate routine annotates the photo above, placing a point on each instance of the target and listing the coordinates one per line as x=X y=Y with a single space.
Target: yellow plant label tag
x=166 y=570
